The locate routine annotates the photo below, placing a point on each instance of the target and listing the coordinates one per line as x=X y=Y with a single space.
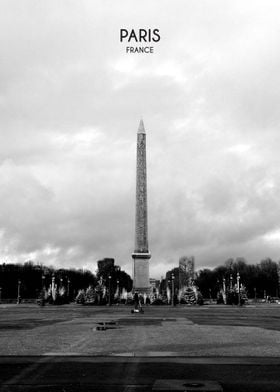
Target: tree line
x=30 y=278
x=260 y=280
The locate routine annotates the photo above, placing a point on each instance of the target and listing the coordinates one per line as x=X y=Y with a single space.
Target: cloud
x=70 y=103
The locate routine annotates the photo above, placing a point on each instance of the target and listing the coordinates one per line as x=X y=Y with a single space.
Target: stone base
x=142 y=290
x=141 y=277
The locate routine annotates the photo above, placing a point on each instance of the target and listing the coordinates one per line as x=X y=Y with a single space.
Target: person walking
x=136 y=301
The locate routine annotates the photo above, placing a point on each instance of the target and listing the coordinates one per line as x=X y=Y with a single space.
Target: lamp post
x=18 y=294
x=230 y=278
x=118 y=288
x=168 y=287
x=0 y=294
x=238 y=287
x=43 y=282
x=172 y=277
x=43 y=289
x=218 y=291
x=110 y=277
x=53 y=281
x=41 y=299
x=255 y=290
x=68 y=287
x=53 y=289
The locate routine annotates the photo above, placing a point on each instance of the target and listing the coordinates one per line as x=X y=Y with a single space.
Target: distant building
x=186 y=271
x=154 y=284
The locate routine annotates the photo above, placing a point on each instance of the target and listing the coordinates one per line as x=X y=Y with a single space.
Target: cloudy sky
x=70 y=104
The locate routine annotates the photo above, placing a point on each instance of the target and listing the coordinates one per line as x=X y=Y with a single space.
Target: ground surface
x=60 y=348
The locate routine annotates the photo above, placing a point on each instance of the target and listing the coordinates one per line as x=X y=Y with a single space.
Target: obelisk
x=141 y=255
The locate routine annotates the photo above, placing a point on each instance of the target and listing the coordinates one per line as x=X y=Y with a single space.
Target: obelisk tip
x=141 y=128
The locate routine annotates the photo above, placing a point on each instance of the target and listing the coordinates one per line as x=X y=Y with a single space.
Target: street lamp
x=255 y=290
x=110 y=277
x=68 y=287
x=172 y=277
x=118 y=294
x=18 y=296
x=238 y=287
x=0 y=294
x=43 y=287
x=41 y=299
x=168 y=289
x=53 y=290
x=43 y=282
x=230 y=281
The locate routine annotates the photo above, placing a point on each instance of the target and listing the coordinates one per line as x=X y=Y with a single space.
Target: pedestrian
x=175 y=299
x=136 y=301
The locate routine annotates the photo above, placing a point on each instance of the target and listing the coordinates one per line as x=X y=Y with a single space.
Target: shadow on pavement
x=134 y=372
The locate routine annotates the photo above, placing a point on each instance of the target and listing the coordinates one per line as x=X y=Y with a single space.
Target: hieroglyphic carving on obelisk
x=141 y=253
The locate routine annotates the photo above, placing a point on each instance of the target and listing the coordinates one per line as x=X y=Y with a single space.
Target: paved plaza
x=68 y=346
x=188 y=331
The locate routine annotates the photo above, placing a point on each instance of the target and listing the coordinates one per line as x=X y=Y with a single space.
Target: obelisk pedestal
x=141 y=255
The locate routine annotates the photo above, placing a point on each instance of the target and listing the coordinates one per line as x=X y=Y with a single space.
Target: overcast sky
x=70 y=104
